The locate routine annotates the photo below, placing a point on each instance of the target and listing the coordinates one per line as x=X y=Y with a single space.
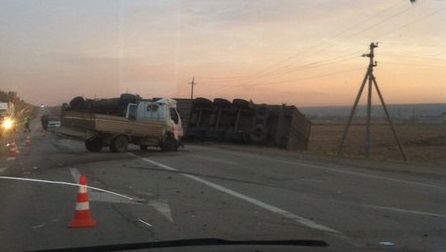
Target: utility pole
x=370 y=79
x=193 y=83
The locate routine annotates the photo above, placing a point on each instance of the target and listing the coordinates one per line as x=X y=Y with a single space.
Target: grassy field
x=421 y=143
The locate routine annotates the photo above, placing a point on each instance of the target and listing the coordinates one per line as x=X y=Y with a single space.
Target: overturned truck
x=244 y=122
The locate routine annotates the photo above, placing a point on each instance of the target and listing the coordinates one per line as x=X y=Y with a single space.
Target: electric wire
x=412 y=22
x=310 y=48
x=285 y=67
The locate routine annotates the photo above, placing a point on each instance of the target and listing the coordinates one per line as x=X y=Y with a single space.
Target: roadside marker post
x=28 y=141
x=13 y=152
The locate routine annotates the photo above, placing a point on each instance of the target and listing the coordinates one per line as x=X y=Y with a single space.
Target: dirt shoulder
x=424 y=147
x=428 y=169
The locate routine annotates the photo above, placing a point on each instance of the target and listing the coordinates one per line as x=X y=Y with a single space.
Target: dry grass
x=422 y=143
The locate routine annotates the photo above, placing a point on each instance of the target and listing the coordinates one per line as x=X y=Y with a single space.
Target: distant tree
x=21 y=108
x=3 y=96
x=13 y=97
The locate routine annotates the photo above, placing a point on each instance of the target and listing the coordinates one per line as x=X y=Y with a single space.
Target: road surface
x=213 y=191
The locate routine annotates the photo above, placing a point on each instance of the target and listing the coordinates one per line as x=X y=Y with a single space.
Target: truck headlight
x=8 y=124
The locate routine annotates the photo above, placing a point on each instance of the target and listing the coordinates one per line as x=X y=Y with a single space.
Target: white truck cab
x=163 y=110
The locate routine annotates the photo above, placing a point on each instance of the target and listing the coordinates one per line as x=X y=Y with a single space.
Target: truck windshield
x=155 y=112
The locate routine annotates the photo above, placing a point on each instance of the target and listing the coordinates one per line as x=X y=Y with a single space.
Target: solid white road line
x=159 y=205
x=394 y=209
x=63 y=183
x=321 y=166
x=299 y=219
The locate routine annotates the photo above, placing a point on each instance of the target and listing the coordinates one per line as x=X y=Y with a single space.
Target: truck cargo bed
x=113 y=125
x=75 y=133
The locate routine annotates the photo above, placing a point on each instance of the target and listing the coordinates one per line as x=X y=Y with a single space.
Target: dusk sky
x=299 y=52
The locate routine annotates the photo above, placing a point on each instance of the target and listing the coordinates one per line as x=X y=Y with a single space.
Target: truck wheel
x=240 y=103
x=202 y=102
x=169 y=143
x=119 y=144
x=222 y=103
x=262 y=112
x=128 y=98
x=259 y=134
x=94 y=145
x=78 y=103
x=143 y=147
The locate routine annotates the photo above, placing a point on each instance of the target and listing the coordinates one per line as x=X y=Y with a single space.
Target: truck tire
x=169 y=143
x=143 y=147
x=221 y=103
x=94 y=145
x=128 y=98
x=119 y=144
x=259 y=134
x=240 y=103
x=262 y=112
x=78 y=103
x=202 y=102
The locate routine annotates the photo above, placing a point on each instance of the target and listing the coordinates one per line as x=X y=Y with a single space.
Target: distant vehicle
x=8 y=122
x=53 y=123
x=146 y=123
x=4 y=106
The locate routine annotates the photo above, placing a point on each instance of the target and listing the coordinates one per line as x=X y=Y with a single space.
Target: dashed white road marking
x=146 y=223
x=407 y=211
x=75 y=174
x=216 y=160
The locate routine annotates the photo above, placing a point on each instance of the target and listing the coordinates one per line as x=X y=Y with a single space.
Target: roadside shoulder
x=392 y=166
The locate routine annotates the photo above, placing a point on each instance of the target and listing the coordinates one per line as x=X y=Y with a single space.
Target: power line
x=382 y=21
x=311 y=65
x=412 y=22
x=309 y=49
x=228 y=89
x=282 y=68
x=286 y=67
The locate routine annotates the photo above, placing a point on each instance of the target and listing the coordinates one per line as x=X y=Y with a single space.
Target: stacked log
x=111 y=106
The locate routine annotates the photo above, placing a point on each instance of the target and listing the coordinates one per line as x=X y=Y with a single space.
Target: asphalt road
x=212 y=191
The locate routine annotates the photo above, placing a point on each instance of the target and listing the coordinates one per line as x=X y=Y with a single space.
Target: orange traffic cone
x=82 y=215
x=28 y=140
x=13 y=153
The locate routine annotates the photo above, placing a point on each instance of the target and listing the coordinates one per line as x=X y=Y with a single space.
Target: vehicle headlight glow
x=8 y=123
